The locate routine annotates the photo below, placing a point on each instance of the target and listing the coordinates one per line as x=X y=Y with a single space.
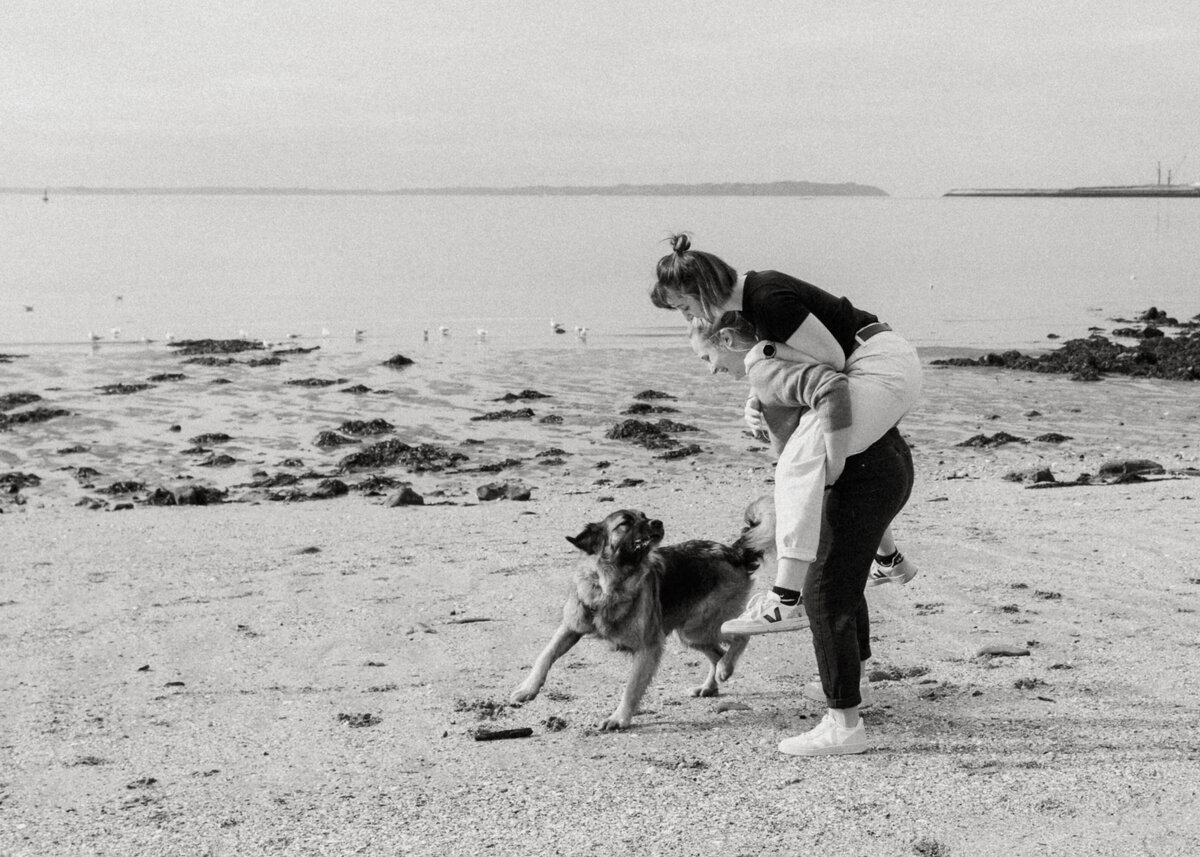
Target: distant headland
x=781 y=188
x=1159 y=190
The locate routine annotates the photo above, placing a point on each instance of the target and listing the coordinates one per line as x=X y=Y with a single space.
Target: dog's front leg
x=562 y=641
x=645 y=664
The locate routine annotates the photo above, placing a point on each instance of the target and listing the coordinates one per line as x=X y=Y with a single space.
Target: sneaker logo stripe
x=773 y=616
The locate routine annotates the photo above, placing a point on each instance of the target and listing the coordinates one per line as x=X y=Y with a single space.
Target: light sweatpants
x=884 y=381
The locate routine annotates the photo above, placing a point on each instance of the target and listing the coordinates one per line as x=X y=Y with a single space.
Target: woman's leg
x=874 y=487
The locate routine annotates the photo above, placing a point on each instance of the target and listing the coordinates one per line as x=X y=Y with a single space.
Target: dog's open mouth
x=648 y=537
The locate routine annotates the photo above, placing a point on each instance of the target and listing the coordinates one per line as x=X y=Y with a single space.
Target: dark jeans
x=858 y=508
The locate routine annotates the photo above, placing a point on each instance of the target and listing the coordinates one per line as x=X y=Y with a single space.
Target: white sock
x=847 y=718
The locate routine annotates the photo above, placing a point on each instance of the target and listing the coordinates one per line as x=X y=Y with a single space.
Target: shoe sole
x=731 y=630
x=891 y=578
x=838 y=750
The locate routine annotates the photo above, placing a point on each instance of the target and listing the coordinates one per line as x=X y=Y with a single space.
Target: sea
x=504 y=272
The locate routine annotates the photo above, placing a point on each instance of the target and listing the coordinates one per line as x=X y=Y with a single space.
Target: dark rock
x=84 y=474
x=681 y=452
x=11 y=483
x=72 y=450
x=8 y=401
x=272 y=361
x=314 y=382
x=168 y=376
x=123 y=389
x=160 y=497
x=209 y=361
x=211 y=437
x=998 y=439
x=503 y=491
x=551 y=419
x=1053 y=437
x=357 y=389
x=398 y=361
x=652 y=394
x=524 y=394
x=359 y=428
x=376 y=484
x=188 y=347
x=327 y=439
x=357 y=721
x=291 y=462
x=497 y=466
x=393 y=452
x=641 y=408
x=126 y=486
x=199 y=495
x=329 y=488
x=998 y=650
x=34 y=415
x=1130 y=467
x=406 y=496
x=1154 y=355
x=1033 y=475
x=553 y=452
x=218 y=460
x=519 y=414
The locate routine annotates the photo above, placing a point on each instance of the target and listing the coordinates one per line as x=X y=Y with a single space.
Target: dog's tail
x=757 y=540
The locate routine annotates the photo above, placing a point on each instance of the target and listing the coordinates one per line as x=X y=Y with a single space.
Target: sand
x=306 y=677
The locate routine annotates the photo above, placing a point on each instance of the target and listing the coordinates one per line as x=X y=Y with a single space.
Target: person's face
x=688 y=305
x=720 y=360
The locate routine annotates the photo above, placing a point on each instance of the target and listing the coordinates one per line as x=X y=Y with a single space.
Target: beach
x=223 y=638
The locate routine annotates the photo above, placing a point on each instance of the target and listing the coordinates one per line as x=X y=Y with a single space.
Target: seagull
x=444 y=331
x=426 y=334
x=94 y=337
x=28 y=307
x=358 y=334
x=293 y=336
x=481 y=334
x=169 y=337
x=243 y=335
x=120 y=297
x=556 y=327
x=324 y=331
x=581 y=332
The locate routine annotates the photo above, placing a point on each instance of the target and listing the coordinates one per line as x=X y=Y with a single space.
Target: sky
x=913 y=97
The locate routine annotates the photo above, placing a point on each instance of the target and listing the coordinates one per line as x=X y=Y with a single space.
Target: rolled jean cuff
x=797 y=554
x=845 y=701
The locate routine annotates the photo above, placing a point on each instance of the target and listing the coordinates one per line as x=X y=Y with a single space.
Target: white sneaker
x=828 y=739
x=899 y=570
x=816 y=693
x=766 y=615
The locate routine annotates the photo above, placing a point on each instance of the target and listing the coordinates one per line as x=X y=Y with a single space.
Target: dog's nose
x=656 y=527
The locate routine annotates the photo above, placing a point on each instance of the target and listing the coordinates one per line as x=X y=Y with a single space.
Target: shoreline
x=291 y=677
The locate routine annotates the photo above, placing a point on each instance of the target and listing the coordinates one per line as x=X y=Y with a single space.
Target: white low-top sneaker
x=827 y=739
x=899 y=570
x=765 y=614
x=816 y=693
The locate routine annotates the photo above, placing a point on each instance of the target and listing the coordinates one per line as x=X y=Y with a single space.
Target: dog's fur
x=635 y=593
x=759 y=533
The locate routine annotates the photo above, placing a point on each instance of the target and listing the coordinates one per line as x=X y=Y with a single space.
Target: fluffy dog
x=635 y=593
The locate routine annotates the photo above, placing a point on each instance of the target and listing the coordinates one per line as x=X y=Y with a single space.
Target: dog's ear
x=590 y=540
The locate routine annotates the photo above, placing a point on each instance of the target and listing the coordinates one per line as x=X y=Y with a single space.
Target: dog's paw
x=616 y=724
x=705 y=690
x=724 y=671
x=523 y=694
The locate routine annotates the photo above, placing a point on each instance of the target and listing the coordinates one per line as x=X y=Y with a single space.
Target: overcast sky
x=914 y=97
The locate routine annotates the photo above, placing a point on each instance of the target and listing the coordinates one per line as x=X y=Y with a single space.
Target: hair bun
x=681 y=243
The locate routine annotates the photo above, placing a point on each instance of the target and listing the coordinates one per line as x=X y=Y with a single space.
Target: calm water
x=986 y=273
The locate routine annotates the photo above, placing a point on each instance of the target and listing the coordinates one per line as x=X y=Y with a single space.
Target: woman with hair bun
x=795 y=321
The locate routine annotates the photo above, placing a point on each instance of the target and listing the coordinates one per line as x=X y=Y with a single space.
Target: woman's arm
x=784 y=385
x=816 y=344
